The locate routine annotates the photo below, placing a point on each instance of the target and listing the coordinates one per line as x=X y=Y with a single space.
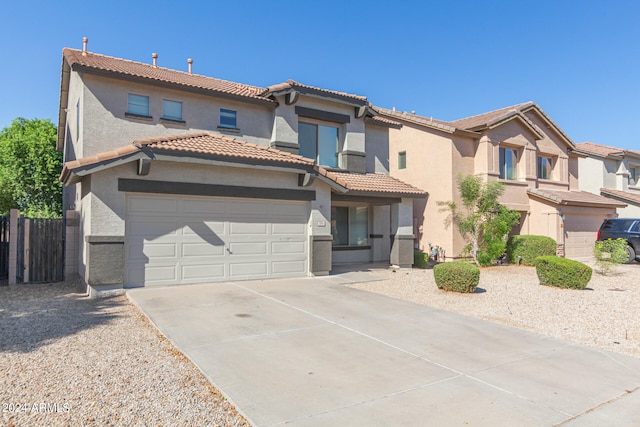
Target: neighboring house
x=613 y=173
x=519 y=146
x=181 y=178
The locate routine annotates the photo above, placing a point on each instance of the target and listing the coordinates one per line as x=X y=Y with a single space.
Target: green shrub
x=458 y=276
x=420 y=259
x=610 y=253
x=562 y=272
x=528 y=248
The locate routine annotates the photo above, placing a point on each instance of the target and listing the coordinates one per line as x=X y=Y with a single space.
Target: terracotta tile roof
x=485 y=119
x=577 y=198
x=604 y=150
x=219 y=145
x=379 y=120
x=292 y=84
x=627 y=196
x=375 y=183
x=413 y=118
x=158 y=74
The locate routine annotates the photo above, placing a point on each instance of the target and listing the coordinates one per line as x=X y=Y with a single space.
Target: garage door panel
x=204 y=228
x=289 y=228
x=153 y=228
x=248 y=269
x=201 y=250
x=284 y=210
x=248 y=248
x=198 y=207
x=197 y=240
x=288 y=267
x=153 y=205
x=200 y=273
x=248 y=228
x=156 y=250
x=287 y=248
x=155 y=273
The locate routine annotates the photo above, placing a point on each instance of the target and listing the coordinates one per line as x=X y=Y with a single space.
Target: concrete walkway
x=311 y=352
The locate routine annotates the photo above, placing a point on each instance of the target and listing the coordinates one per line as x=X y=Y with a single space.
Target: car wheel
x=632 y=255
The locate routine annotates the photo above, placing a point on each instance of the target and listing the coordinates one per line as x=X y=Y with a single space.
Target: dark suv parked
x=627 y=228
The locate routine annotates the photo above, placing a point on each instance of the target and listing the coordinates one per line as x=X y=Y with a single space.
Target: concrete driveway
x=312 y=352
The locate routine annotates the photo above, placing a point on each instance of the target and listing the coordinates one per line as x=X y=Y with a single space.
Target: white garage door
x=580 y=234
x=181 y=239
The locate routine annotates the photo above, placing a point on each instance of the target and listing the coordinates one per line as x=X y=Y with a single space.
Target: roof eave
x=170 y=85
x=65 y=74
x=318 y=93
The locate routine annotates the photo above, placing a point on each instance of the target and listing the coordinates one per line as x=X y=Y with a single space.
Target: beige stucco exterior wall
x=429 y=156
x=107 y=128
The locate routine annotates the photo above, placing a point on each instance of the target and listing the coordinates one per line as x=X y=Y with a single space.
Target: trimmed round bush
x=457 y=276
x=420 y=259
x=562 y=272
x=528 y=248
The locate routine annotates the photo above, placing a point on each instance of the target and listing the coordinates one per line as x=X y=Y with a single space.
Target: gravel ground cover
x=606 y=315
x=69 y=360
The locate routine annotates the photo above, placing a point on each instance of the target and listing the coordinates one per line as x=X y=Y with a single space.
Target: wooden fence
x=38 y=245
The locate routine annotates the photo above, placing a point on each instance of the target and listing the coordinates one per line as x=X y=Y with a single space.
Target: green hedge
x=457 y=276
x=420 y=259
x=562 y=272
x=528 y=248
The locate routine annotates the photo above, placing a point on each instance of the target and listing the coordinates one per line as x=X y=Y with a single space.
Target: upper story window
x=402 y=160
x=633 y=175
x=544 y=167
x=508 y=163
x=138 y=105
x=319 y=142
x=171 y=110
x=228 y=119
x=350 y=225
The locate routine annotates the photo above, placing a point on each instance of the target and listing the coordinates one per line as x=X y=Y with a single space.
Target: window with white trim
x=319 y=142
x=508 y=163
x=350 y=225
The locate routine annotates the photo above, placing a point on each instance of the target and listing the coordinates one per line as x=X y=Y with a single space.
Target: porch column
x=402 y=229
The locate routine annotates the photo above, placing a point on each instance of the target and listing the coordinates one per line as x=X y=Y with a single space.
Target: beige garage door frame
x=192 y=239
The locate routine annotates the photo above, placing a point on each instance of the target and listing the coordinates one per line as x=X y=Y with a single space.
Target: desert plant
x=420 y=259
x=528 y=248
x=610 y=253
x=482 y=220
x=562 y=272
x=457 y=276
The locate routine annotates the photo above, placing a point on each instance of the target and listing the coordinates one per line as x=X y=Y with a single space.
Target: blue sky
x=579 y=60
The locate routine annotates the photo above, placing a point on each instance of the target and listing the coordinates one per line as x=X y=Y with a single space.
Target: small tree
x=29 y=168
x=482 y=220
x=609 y=254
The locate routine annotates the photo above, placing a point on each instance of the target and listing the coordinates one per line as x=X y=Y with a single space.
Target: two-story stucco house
x=181 y=178
x=521 y=147
x=611 y=172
